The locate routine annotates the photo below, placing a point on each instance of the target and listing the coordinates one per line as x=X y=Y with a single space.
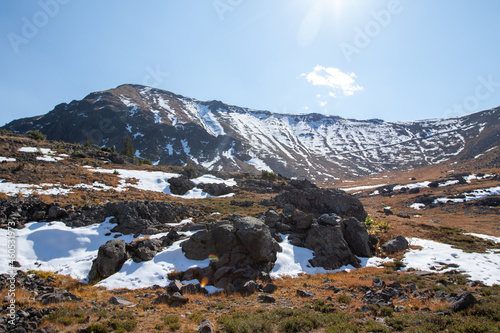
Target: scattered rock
x=58 y=297
x=266 y=299
x=305 y=293
x=398 y=243
x=464 y=301
x=121 y=301
x=205 y=327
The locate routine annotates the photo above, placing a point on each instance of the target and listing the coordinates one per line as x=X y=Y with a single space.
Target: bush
x=79 y=154
x=343 y=298
x=97 y=328
x=37 y=135
x=302 y=323
x=270 y=175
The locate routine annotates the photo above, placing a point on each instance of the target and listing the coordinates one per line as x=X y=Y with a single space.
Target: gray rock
x=110 y=259
x=398 y=243
x=205 y=326
x=56 y=212
x=321 y=201
x=305 y=293
x=356 y=237
x=270 y=288
x=266 y=299
x=145 y=249
x=331 y=251
x=464 y=301
x=58 y=297
x=256 y=238
x=199 y=246
x=180 y=185
x=121 y=301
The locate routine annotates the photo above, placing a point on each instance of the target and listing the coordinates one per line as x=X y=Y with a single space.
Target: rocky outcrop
x=356 y=237
x=321 y=201
x=131 y=217
x=110 y=259
x=244 y=247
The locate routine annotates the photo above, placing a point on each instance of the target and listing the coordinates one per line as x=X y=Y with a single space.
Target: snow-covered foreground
x=70 y=251
x=146 y=180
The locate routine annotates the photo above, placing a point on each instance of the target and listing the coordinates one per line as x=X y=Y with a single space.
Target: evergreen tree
x=89 y=143
x=128 y=148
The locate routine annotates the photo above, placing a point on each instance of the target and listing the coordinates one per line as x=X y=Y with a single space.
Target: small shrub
x=37 y=135
x=321 y=306
x=344 y=299
x=172 y=321
x=5 y=132
x=270 y=175
x=79 y=154
x=302 y=323
x=97 y=328
x=373 y=326
x=67 y=316
x=386 y=311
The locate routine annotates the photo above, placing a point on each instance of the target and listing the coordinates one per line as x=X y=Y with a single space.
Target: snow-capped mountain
x=172 y=129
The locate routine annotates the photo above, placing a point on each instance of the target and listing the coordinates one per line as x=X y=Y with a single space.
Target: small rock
x=205 y=327
x=266 y=299
x=270 y=288
x=118 y=300
x=305 y=293
x=398 y=243
x=464 y=301
x=378 y=283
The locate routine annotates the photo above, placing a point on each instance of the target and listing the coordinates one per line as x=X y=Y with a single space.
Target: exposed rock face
x=245 y=249
x=110 y=259
x=321 y=201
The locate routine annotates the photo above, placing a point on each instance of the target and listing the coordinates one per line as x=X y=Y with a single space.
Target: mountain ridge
x=173 y=129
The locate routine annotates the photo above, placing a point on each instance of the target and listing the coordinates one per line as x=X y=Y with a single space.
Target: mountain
x=172 y=129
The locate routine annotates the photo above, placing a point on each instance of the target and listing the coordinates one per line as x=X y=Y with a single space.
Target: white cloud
x=323 y=103
x=333 y=78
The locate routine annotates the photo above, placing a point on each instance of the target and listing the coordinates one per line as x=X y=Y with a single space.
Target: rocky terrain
x=170 y=129
x=246 y=233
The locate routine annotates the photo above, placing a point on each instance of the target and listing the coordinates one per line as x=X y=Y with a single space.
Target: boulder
x=256 y=238
x=321 y=201
x=205 y=326
x=396 y=244
x=110 y=259
x=356 y=237
x=464 y=301
x=199 y=246
x=120 y=301
x=144 y=249
x=216 y=190
x=331 y=251
x=180 y=185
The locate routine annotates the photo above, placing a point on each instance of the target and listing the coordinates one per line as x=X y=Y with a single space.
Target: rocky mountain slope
x=172 y=129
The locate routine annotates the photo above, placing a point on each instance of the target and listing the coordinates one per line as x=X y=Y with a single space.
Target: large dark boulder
x=331 y=251
x=110 y=259
x=144 y=249
x=180 y=185
x=356 y=237
x=199 y=246
x=323 y=201
x=216 y=190
x=244 y=248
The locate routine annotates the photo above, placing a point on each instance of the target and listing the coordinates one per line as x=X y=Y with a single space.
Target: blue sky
x=387 y=59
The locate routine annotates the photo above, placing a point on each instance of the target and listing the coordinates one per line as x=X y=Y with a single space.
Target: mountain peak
x=172 y=129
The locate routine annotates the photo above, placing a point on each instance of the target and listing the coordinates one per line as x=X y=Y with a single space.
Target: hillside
x=170 y=129
x=67 y=201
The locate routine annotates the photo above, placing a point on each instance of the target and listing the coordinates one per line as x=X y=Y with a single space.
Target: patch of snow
x=49 y=158
x=44 y=151
x=294 y=260
x=259 y=164
x=360 y=188
x=480 y=266
x=472 y=195
x=7 y=159
x=417 y=206
x=487 y=237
